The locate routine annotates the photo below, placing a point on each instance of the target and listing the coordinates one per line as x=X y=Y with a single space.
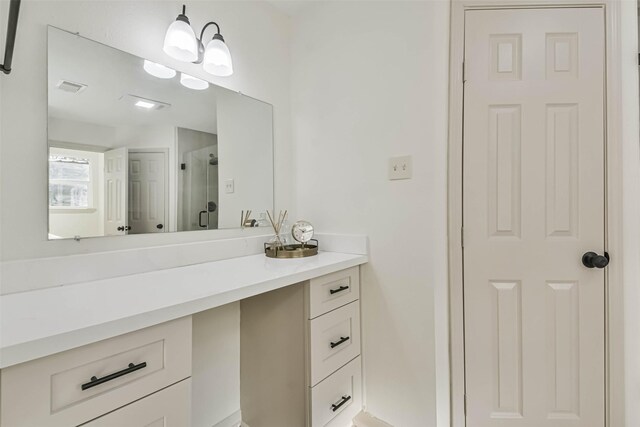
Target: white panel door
x=533 y=205
x=115 y=192
x=147 y=193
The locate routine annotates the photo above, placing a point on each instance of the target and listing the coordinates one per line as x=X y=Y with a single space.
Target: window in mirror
x=70 y=181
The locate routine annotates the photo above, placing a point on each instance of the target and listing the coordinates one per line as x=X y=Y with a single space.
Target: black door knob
x=593 y=260
x=121 y=228
x=159 y=226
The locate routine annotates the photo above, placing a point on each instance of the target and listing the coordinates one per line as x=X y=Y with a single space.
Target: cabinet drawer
x=334 y=290
x=167 y=408
x=75 y=386
x=334 y=340
x=337 y=399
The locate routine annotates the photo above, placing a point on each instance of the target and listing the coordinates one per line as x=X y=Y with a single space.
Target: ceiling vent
x=71 y=87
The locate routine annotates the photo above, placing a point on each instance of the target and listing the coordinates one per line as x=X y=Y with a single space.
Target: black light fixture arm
x=12 y=26
x=201 y=43
x=205 y=27
x=216 y=36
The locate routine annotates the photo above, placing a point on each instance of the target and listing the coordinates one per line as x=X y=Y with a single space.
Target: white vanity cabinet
x=169 y=407
x=300 y=354
x=136 y=364
x=76 y=386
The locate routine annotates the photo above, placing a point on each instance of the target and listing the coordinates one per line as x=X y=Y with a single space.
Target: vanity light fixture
x=159 y=70
x=181 y=43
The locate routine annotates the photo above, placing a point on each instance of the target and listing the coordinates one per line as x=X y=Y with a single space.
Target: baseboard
x=364 y=419
x=233 y=420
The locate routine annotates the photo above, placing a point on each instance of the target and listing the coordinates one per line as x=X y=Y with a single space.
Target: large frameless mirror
x=136 y=147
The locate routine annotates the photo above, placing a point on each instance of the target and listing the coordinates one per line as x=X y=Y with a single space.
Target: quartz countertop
x=43 y=322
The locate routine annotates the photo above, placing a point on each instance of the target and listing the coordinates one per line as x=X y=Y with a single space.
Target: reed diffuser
x=277 y=227
x=282 y=245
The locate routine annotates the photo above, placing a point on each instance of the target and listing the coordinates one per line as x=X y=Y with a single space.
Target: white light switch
x=400 y=167
x=229 y=186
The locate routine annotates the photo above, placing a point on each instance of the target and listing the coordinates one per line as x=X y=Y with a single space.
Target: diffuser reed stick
x=277 y=226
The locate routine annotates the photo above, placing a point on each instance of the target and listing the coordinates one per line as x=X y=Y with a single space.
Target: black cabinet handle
x=337 y=406
x=200 y=219
x=97 y=381
x=337 y=343
x=340 y=289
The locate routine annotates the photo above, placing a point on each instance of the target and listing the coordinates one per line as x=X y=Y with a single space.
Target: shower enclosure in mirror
x=136 y=147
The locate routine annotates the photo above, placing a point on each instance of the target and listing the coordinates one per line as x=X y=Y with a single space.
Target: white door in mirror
x=115 y=191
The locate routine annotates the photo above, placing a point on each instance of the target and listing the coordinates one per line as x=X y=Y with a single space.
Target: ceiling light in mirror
x=217 y=58
x=144 y=103
x=180 y=41
x=158 y=70
x=193 y=82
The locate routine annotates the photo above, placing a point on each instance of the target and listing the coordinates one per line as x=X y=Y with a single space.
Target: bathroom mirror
x=136 y=147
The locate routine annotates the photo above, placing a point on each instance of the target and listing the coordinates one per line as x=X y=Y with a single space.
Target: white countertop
x=43 y=322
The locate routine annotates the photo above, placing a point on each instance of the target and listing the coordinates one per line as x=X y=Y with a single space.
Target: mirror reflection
x=136 y=147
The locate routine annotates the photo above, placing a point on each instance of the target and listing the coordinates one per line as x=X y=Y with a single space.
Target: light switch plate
x=229 y=186
x=400 y=167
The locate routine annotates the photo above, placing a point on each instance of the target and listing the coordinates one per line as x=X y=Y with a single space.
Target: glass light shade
x=180 y=42
x=158 y=70
x=193 y=82
x=217 y=59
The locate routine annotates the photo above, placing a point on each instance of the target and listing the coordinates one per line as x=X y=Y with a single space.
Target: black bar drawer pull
x=97 y=381
x=337 y=406
x=337 y=343
x=340 y=289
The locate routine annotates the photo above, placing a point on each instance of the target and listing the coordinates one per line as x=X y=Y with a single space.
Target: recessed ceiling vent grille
x=71 y=87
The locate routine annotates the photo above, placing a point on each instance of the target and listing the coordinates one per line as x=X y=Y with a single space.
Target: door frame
x=614 y=301
x=167 y=204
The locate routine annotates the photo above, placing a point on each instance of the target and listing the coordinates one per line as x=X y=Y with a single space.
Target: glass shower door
x=200 y=189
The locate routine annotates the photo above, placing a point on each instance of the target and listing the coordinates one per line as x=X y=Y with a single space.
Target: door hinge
x=464 y=72
x=462 y=236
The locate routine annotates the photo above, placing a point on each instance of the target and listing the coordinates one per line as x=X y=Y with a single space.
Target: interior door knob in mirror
x=593 y=260
x=159 y=226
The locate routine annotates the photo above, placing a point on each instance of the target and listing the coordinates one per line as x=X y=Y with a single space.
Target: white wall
x=630 y=249
x=369 y=82
x=216 y=352
x=246 y=157
x=257 y=34
x=73 y=131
